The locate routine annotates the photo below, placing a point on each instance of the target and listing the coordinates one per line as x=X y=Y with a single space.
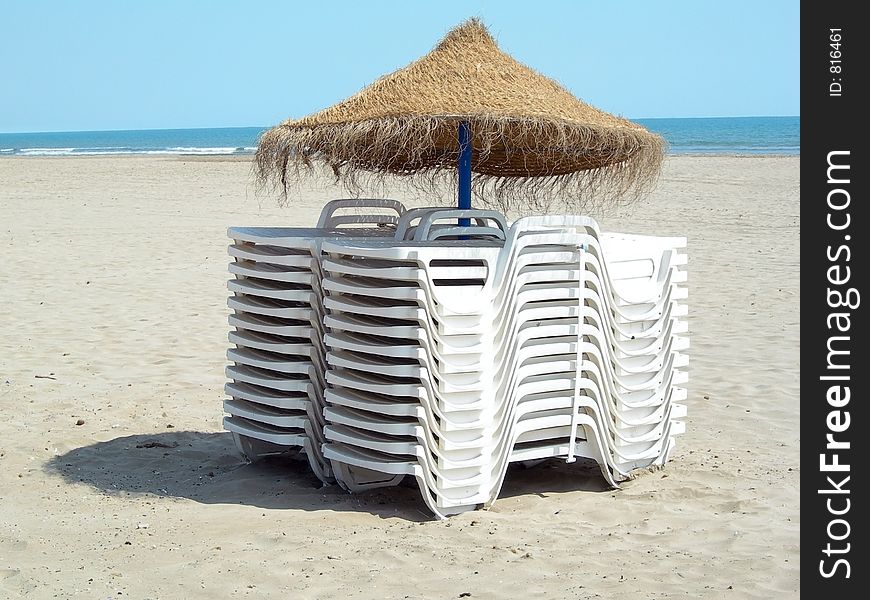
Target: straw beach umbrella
x=467 y=107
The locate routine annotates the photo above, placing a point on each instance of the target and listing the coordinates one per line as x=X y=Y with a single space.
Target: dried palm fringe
x=557 y=172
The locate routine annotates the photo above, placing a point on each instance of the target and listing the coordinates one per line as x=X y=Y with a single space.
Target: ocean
x=729 y=135
x=721 y=135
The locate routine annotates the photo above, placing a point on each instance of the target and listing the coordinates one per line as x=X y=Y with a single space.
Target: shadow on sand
x=206 y=468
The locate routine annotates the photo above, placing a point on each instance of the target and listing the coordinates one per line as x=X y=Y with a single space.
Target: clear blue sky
x=126 y=64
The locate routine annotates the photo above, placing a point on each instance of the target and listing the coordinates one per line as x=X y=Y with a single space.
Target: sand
x=117 y=481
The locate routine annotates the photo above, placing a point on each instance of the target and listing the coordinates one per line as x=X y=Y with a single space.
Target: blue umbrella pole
x=464 y=170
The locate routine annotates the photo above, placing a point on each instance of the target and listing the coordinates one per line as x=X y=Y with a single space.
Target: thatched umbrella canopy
x=530 y=136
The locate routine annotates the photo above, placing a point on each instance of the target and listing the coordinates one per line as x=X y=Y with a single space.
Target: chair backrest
x=329 y=220
x=489 y=223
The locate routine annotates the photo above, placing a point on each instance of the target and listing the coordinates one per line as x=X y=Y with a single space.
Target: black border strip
x=834 y=229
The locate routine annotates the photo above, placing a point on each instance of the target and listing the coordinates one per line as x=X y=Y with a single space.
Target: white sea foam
x=194 y=150
x=176 y=150
x=45 y=151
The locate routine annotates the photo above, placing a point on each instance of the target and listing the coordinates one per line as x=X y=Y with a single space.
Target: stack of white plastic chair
x=633 y=340
x=402 y=363
x=275 y=402
x=466 y=348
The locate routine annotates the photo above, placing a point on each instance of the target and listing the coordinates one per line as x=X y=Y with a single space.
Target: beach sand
x=113 y=276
